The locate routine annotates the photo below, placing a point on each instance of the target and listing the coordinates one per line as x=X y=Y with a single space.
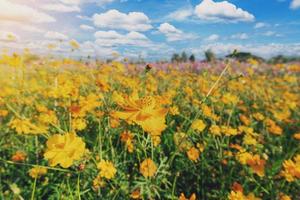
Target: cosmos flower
x=107 y=169
x=142 y=111
x=64 y=149
x=198 y=125
x=37 y=171
x=148 y=168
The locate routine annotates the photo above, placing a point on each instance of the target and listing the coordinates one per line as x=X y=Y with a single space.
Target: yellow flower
x=243 y=156
x=107 y=169
x=182 y=197
x=238 y=195
x=148 y=168
x=230 y=99
x=215 y=130
x=291 y=170
x=78 y=124
x=174 y=110
x=37 y=171
x=24 y=126
x=64 y=149
x=297 y=136
x=98 y=182
x=228 y=131
x=258 y=116
x=144 y=112
x=193 y=154
x=198 y=125
x=249 y=140
x=285 y=197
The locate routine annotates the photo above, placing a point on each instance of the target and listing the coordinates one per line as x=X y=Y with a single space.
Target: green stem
x=78 y=186
x=33 y=189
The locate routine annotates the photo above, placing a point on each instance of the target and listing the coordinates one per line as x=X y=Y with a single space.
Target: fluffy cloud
x=295 y=4
x=86 y=27
x=174 y=34
x=240 y=36
x=58 y=7
x=260 y=25
x=264 y=50
x=22 y=13
x=212 y=37
x=181 y=14
x=113 y=38
x=11 y=25
x=222 y=12
x=77 y=2
x=271 y=33
x=55 y=35
x=133 y=21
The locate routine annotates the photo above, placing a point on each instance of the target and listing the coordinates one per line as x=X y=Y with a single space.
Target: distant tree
x=210 y=56
x=279 y=59
x=183 y=57
x=192 y=58
x=244 y=56
x=175 y=58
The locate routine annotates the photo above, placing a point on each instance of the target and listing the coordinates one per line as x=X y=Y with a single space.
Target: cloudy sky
x=152 y=29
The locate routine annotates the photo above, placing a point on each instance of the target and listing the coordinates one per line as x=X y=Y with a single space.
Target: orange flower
x=193 y=154
x=135 y=194
x=19 y=156
x=127 y=138
x=257 y=165
x=237 y=187
x=148 y=168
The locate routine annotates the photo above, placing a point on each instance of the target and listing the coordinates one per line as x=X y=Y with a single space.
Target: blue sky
x=152 y=29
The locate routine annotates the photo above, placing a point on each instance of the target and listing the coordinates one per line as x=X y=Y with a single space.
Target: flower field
x=91 y=130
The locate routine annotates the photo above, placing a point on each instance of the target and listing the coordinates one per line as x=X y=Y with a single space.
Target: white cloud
x=104 y=2
x=133 y=21
x=58 y=7
x=56 y=35
x=181 y=14
x=240 y=36
x=83 y=17
x=260 y=25
x=264 y=50
x=174 y=34
x=212 y=37
x=22 y=13
x=113 y=38
x=86 y=27
x=295 y=4
x=77 y=2
x=271 y=33
x=222 y=12
x=11 y=25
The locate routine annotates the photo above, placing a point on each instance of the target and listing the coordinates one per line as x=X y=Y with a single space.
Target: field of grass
x=78 y=130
